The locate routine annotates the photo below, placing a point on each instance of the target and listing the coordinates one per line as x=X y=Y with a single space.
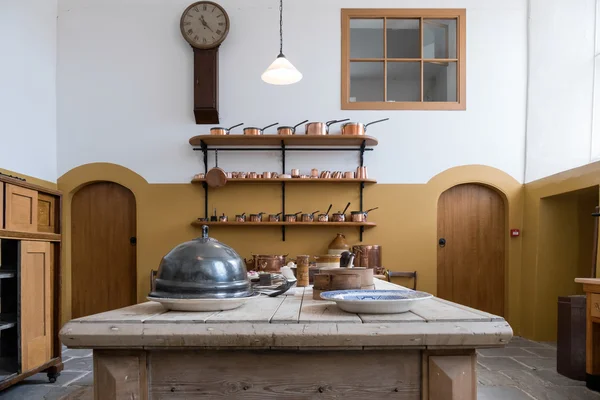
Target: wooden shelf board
x=292 y=180
x=275 y=140
x=47 y=237
x=28 y=185
x=233 y=223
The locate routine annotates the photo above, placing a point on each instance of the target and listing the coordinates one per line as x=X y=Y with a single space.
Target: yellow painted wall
x=407 y=220
x=557 y=244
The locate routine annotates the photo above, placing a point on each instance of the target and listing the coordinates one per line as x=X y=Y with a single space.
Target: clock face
x=204 y=24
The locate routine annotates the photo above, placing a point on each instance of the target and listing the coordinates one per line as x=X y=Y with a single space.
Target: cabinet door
x=47 y=214
x=36 y=304
x=21 y=209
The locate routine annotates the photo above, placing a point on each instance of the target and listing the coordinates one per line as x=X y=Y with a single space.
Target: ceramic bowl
x=376 y=301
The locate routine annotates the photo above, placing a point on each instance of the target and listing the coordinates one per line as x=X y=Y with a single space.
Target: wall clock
x=205 y=25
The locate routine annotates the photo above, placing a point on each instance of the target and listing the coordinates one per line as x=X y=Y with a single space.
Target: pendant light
x=281 y=71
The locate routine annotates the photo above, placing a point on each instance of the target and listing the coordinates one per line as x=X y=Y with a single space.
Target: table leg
x=120 y=375
x=449 y=377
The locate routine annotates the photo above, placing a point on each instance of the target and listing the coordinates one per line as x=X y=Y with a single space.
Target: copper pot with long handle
x=340 y=216
x=267 y=262
x=254 y=131
x=360 y=216
x=357 y=128
x=289 y=130
x=309 y=217
x=291 y=217
x=223 y=131
x=321 y=128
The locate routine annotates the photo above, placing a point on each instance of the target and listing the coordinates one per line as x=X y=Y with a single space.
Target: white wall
x=28 y=87
x=125 y=88
x=561 y=49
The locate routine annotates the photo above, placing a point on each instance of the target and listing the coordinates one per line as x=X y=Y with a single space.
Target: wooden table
x=287 y=347
x=591 y=287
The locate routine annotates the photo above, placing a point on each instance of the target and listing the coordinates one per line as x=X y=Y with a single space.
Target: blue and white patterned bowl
x=375 y=301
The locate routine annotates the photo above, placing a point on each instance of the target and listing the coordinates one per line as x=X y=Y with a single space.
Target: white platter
x=202 y=304
x=375 y=301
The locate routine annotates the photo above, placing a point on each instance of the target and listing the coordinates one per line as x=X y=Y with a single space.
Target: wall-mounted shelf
x=46 y=237
x=327 y=143
x=322 y=224
x=288 y=140
x=290 y=180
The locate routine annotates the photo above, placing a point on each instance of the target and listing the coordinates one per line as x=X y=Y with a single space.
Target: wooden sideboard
x=591 y=287
x=30 y=243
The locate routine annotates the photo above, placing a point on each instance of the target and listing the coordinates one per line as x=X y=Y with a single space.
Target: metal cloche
x=202 y=268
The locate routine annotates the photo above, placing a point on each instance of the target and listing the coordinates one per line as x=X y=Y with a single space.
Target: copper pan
x=223 y=131
x=289 y=130
x=321 y=128
x=254 y=131
x=357 y=128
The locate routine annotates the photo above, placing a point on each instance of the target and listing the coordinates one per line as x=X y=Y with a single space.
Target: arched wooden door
x=103 y=258
x=471 y=247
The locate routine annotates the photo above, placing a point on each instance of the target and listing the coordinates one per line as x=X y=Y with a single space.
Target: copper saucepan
x=292 y=217
x=256 y=217
x=274 y=217
x=324 y=217
x=357 y=128
x=321 y=128
x=254 y=131
x=223 y=131
x=289 y=130
x=309 y=217
x=360 y=216
x=340 y=216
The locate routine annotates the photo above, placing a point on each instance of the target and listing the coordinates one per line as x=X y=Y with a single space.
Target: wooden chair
x=411 y=275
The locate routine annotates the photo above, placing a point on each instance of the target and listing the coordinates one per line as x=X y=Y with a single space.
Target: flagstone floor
x=524 y=370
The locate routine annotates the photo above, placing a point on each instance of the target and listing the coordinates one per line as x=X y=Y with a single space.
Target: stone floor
x=523 y=370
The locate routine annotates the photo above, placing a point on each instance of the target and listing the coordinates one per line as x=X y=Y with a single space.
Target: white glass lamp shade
x=281 y=72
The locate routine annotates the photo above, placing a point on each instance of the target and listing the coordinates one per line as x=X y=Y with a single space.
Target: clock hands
x=204 y=23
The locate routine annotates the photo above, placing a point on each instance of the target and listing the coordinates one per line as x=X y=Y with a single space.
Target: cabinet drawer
x=595 y=299
x=47 y=213
x=20 y=209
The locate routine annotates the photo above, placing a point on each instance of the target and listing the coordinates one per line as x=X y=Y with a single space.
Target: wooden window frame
x=413 y=13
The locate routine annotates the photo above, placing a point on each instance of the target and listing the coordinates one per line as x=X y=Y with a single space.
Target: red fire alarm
x=515 y=233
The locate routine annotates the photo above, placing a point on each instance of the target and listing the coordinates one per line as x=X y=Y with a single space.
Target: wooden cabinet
x=36 y=300
x=29 y=273
x=47 y=213
x=21 y=209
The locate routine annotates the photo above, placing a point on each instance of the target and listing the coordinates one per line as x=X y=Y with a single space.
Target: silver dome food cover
x=202 y=268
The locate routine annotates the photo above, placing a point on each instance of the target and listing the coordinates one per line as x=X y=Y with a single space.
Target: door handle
x=442 y=242
x=133 y=240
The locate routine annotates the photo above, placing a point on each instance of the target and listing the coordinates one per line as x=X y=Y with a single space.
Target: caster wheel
x=52 y=376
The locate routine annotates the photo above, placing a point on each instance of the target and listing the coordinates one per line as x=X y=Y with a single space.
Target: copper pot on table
x=289 y=130
x=223 y=131
x=321 y=128
x=357 y=128
x=254 y=131
x=266 y=262
x=367 y=256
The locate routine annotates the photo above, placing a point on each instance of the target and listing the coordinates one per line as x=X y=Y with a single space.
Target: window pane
x=404 y=81
x=439 y=38
x=366 y=81
x=403 y=38
x=439 y=81
x=366 y=38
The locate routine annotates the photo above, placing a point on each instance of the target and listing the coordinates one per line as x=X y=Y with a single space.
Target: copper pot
x=223 y=218
x=223 y=131
x=274 y=217
x=289 y=130
x=357 y=128
x=256 y=217
x=254 y=131
x=321 y=128
x=324 y=217
x=292 y=217
x=309 y=217
x=340 y=216
x=266 y=262
x=240 y=217
x=360 y=216
x=367 y=256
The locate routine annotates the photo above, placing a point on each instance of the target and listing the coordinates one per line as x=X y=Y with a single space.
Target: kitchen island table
x=287 y=347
